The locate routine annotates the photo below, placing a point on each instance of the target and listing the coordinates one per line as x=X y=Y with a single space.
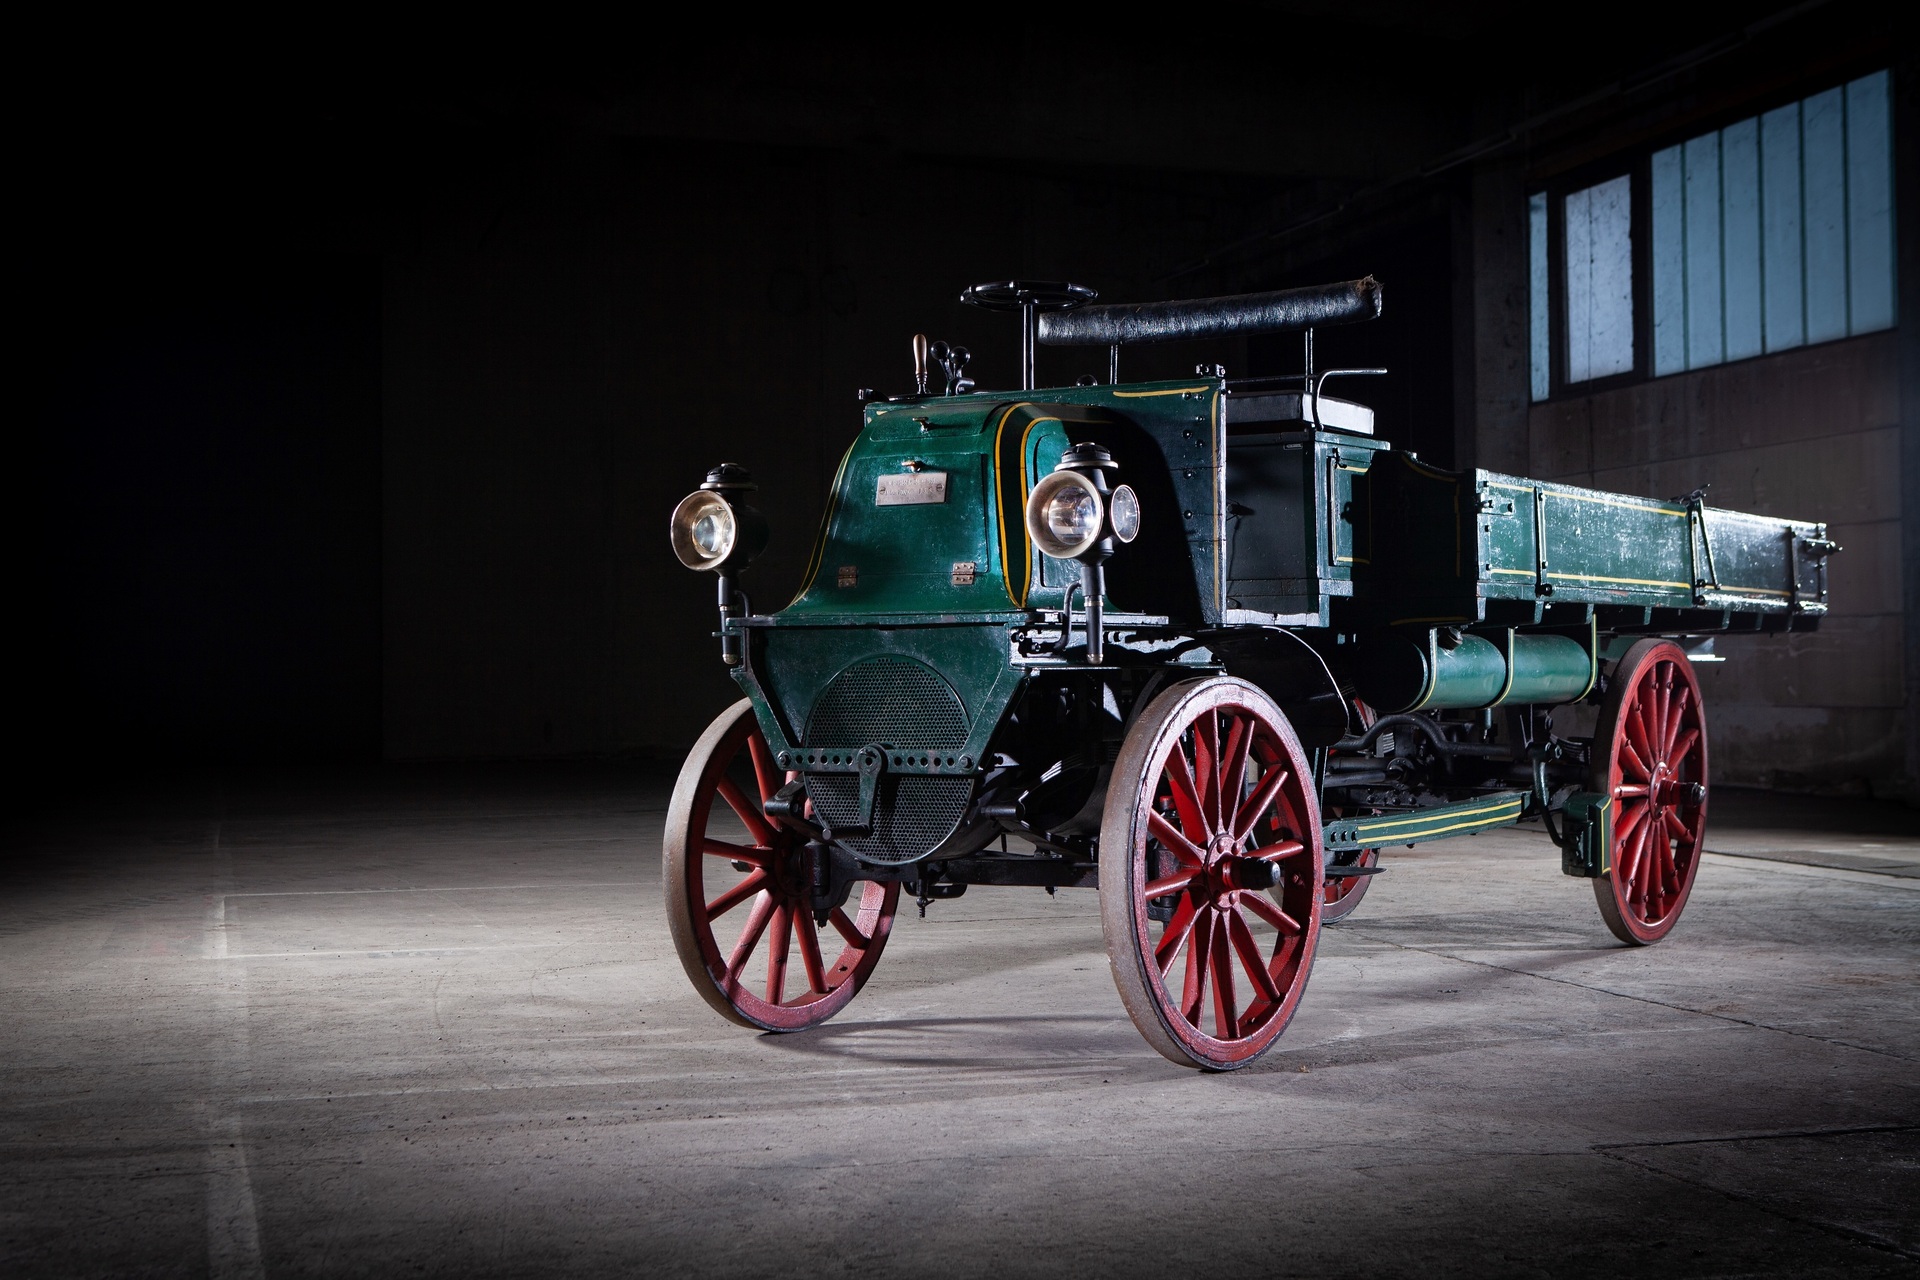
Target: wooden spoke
x=1678 y=827
x=777 y=955
x=1637 y=739
x=1268 y=910
x=746 y=810
x=1258 y=803
x=1630 y=819
x=1233 y=772
x=1251 y=959
x=810 y=952
x=1174 y=842
x=1175 y=935
x=1193 y=994
x=763 y=771
x=1683 y=744
x=1186 y=795
x=1171 y=884
x=1206 y=768
x=749 y=938
x=1632 y=762
x=751 y=884
x=1226 y=1006
x=734 y=852
x=846 y=929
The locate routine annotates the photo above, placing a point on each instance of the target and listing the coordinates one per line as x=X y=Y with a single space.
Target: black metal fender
x=1290 y=671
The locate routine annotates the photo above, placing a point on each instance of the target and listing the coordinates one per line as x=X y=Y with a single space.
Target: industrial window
x=1773 y=232
x=1599 y=280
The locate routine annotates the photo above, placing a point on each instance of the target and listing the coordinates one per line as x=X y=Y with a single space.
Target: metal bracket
x=1584 y=850
x=873 y=762
x=1697 y=520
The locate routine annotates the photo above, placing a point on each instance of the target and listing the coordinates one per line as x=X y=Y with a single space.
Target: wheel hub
x=1668 y=792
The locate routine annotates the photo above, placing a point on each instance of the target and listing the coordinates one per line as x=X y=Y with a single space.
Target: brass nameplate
x=911 y=489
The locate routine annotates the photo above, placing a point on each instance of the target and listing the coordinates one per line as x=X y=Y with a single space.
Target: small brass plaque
x=849 y=575
x=963 y=573
x=911 y=489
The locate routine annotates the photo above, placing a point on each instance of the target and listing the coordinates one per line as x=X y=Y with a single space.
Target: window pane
x=1669 y=264
x=1869 y=205
x=1740 y=236
x=1599 y=227
x=1825 y=212
x=1704 y=345
x=1780 y=220
x=1539 y=342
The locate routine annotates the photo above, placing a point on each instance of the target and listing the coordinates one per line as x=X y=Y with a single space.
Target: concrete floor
x=434 y=1025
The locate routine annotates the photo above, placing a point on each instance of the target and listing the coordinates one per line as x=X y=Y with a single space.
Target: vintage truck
x=1205 y=646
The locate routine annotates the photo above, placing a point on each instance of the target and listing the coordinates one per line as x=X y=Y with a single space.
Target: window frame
x=1636 y=161
x=1639 y=207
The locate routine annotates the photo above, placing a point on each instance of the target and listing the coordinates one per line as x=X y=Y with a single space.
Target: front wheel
x=1210 y=873
x=731 y=871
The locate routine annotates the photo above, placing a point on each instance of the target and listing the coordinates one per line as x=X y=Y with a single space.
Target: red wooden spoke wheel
x=1650 y=755
x=740 y=892
x=1209 y=847
x=1341 y=894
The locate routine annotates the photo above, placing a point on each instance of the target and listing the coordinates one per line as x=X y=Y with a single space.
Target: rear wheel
x=733 y=873
x=1341 y=894
x=1210 y=874
x=1650 y=755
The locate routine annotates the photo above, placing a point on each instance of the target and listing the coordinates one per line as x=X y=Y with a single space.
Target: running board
x=1482 y=813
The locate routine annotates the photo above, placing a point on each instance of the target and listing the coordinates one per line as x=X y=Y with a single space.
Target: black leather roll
x=1281 y=311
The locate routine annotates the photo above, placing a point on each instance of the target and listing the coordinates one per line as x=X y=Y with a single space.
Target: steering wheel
x=1015 y=295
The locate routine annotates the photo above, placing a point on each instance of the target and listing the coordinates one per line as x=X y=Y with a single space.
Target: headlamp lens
x=712 y=531
x=1073 y=514
x=1123 y=508
x=704 y=530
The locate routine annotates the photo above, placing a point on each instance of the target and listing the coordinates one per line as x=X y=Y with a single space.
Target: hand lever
x=919 y=364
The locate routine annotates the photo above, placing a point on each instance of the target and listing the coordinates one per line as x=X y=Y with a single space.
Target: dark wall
x=574 y=337
x=1412 y=340
x=204 y=511
x=360 y=393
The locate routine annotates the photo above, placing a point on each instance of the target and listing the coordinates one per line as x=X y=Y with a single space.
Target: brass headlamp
x=1072 y=514
x=715 y=530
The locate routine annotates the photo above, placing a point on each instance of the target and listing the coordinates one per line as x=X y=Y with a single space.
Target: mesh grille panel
x=911 y=815
x=892 y=700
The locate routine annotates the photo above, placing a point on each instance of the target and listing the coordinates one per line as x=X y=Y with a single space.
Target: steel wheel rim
x=1201 y=987
x=765 y=913
x=1656 y=754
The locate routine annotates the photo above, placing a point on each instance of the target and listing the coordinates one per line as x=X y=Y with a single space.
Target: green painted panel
x=795 y=664
x=1444 y=544
x=872 y=559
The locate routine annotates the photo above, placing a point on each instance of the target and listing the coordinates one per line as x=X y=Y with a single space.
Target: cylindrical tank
x=1420 y=672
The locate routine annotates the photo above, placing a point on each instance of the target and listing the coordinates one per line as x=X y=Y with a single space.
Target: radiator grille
x=911 y=815
x=892 y=700
x=899 y=702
